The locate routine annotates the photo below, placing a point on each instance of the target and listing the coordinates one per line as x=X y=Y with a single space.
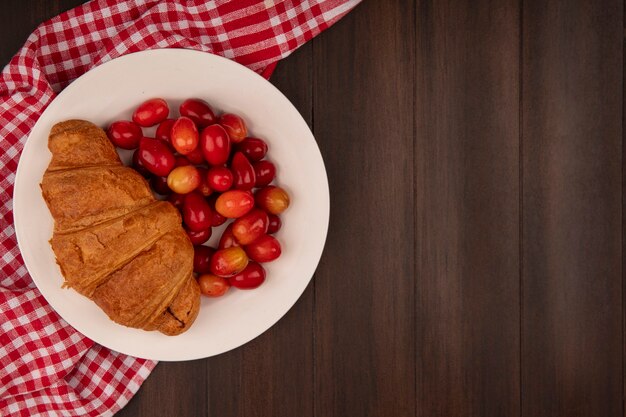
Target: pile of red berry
x=207 y=166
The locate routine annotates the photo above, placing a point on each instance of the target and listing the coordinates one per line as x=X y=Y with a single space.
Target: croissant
x=113 y=241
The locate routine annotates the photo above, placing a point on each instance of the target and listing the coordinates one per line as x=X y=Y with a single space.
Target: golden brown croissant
x=114 y=242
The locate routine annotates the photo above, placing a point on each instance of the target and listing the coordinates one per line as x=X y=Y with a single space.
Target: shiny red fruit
x=181 y=161
x=151 y=112
x=215 y=145
x=177 y=200
x=183 y=180
x=212 y=285
x=227 y=240
x=138 y=165
x=264 y=249
x=203 y=187
x=217 y=219
x=196 y=212
x=220 y=178
x=198 y=238
x=251 y=277
x=167 y=144
x=272 y=199
x=198 y=111
x=274 y=224
x=228 y=262
x=253 y=148
x=202 y=259
x=234 y=126
x=265 y=172
x=156 y=157
x=184 y=135
x=250 y=227
x=125 y=134
x=234 y=203
x=164 y=130
x=159 y=184
x=245 y=178
x=195 y=157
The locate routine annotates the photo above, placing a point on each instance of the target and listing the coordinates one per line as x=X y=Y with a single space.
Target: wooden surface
x=475 y=254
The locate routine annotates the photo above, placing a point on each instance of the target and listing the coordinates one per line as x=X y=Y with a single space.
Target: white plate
x=110 y=92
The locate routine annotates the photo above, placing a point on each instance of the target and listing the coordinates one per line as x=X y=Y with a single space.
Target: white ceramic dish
x=110 y=92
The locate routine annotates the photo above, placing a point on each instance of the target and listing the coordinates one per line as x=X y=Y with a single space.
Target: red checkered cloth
x=47 y=367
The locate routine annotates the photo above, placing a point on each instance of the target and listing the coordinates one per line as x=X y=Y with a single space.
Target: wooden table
x=474 y=259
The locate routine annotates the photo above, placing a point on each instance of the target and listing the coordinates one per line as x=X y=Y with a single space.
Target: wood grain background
x=474 y=262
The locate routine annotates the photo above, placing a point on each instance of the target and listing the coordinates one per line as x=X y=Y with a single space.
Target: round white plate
x=110 y=92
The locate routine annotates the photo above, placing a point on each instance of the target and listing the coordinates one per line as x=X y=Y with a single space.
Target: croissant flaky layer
x=114 y=242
